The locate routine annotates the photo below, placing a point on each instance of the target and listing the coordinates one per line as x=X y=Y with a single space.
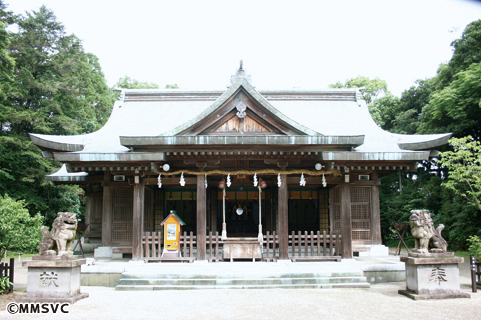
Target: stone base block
x=415 y=296
x=432 y=276
x=103 y=252
x=54 y=280
x=375 y=250
x=70 y=300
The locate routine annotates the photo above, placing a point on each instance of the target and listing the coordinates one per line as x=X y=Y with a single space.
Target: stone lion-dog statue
x=61 y=236
x=425 y=236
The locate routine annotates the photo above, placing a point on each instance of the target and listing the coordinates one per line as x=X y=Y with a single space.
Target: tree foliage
x=58 y=88
x=457 y=107
x=129 y=83
x=464 y=169
x=55 y=88
x=18 y=230
x=370 y=89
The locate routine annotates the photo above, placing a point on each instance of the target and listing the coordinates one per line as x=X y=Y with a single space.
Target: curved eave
x=350 y=141
x=425 y=145
x=53 y=145
x=378 y=156
x=67 y=178
x=99 y=157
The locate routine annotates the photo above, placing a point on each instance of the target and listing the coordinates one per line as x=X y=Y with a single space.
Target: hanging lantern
x=221 y=184
x=255 y=180
x=228 y=181
x=324 y=182
x=159 y=182
x=206 y=181
x=182 y=181
x=279 y=182
x=263 y=184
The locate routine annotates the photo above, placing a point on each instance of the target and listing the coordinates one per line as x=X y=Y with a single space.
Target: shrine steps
x=148 y=281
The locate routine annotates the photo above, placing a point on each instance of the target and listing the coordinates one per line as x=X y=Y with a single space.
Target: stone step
x=359 y=285
x=226 y=281
x=142 y=275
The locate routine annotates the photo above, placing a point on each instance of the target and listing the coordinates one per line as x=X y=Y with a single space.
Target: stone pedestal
x=432 y=276
x=53 y=279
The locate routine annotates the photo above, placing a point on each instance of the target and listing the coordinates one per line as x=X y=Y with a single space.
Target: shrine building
x=243 y=162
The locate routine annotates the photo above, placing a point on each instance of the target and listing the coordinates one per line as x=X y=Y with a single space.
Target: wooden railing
x=152 y=246
x=6 y=270
x=302 y=246
x=314 y=246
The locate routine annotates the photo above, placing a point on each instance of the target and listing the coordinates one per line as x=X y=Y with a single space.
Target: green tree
x=129 y=83
x=171 y=86
x=467 y=50
x=18 y=230
x=464 y=164
x=371 y=89
x=58 y=88
x=457 y=107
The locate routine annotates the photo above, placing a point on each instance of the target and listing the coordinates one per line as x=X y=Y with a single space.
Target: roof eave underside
x=352 y=141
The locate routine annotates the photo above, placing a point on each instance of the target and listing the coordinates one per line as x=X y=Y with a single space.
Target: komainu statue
x=61 y=236
x=425 y=236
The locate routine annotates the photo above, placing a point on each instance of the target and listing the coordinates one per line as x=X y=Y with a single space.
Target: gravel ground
x=381 y=301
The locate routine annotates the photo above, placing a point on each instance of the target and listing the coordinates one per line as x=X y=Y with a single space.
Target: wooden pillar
x=346 y=220
x=201 y=218
x=375 y=213
x=138 y=221
x=283 y=219
x=107 y=212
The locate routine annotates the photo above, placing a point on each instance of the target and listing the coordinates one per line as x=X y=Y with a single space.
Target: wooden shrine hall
x=295 y=172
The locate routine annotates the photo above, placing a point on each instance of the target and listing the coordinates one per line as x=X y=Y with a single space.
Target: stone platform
x=432 y=276
x=53 y=279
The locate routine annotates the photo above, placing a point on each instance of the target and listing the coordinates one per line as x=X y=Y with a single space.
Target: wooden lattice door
x=122 y=212
x=360 y=213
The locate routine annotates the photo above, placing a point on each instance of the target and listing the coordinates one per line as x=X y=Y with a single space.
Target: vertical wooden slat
x=306 y=243
x=331 y=241
x=312 y=243
x=324 y=243
x=185 y=244
x=210 y=246
x=274 y=247
x=191 y=245
x=217 y=258
x=159 y=244
x=145 y=242
x=319 y=243
x=268 y=241
x=299 y=243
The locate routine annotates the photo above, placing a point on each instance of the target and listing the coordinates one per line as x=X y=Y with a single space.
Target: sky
x=283 y=44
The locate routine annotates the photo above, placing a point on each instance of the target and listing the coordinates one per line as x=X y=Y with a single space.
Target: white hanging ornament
x=279 y=182
x=159 y=182
x=206 y=181
x=255 y=180
x=303 y=181
x=182 y=181
x=324 y=182
x=228 y=183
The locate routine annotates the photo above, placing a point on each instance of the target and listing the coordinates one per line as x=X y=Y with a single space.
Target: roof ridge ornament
x=240 y=74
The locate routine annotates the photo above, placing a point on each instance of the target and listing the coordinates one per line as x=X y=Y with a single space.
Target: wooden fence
x=302 y=246
x=152 y=246
x=6 y=270
x=475 y=273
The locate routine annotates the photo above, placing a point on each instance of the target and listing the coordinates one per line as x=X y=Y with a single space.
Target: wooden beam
x=107 y=212
x=283 y=220
x=138 y=221
x=201 y=218
x=375 y=216
x=346 y=220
